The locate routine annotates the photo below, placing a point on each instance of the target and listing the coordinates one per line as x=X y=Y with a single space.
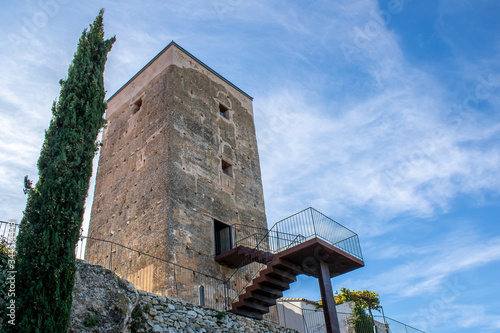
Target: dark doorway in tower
x=223 y=237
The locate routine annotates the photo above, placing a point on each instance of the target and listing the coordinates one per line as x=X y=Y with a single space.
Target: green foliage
x=91 y=320
x=54 y=212
x=4 y=257
x=221 y=315
x=138 y=319
x=366 y=299
x=363 y=300
x=28 y=185
x=362 y=321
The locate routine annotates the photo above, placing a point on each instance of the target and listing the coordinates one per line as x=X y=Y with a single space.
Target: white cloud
x=383 y=154
x=470 y=316
x=396 y=149
x=25 y=108
x=448 y=313
x=345 y=123
x=426 y=268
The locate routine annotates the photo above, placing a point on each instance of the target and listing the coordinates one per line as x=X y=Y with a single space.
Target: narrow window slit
x=223 y=111
x=227 y=168
x=137 y=106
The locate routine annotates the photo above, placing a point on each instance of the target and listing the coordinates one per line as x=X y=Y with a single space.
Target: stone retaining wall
x=105 y=303
x=169 y=315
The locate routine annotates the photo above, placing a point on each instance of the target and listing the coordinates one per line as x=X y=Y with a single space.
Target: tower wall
x=160 y=181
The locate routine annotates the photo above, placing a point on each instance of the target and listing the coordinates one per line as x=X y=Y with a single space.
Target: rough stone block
x=102 y=302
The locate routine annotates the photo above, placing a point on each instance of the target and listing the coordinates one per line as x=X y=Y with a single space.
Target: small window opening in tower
x=227 y=168
x=223 y=237
x=137 y=106
x=223 y=111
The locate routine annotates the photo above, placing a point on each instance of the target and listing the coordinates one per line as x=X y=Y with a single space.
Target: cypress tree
x=53 y=216
x=362 y=321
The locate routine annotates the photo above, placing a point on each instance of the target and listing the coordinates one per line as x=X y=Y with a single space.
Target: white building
x=305 y=315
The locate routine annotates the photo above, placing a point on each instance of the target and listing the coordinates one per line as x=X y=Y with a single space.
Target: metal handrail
x=286 y=233
x=151 y=256
x=305 y=314
x=312 y=231
x=308 y=224
x=124 y=260
x=398 y=322
x=299 y=236
x=263 y=233
x=128 y=248
x=239 y=230
x=141 y=268
x=5 y=230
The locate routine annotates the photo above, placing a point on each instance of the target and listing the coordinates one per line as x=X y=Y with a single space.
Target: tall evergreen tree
x=54 y=212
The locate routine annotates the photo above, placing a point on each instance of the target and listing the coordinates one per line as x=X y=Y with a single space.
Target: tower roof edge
x=174 y=44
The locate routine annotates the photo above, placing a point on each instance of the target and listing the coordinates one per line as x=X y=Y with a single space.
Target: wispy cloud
x=470 y=316
x=389 y=153
x=424 y=266
x=26 y=97
x=431 y=274
x=399 y=148
x=456 y=316
x=347 y=122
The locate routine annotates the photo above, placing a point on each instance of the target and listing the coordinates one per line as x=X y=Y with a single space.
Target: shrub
x=4 y=257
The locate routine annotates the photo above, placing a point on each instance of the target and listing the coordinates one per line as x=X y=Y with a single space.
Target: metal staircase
x=266 y=288
x=299 y=244
x=240 y=254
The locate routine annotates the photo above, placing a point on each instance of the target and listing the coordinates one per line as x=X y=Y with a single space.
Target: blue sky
x=384 y=115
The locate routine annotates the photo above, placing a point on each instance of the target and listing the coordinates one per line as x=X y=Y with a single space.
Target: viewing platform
x=307 y=242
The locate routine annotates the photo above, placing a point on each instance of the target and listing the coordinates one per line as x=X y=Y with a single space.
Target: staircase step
x=241 y=256
x=260 y=295
x=255 y=255
x=268 y=286
x=273 y=282
x=281 y=274
x=247 y=313
x=267 y=256
x=271 y=292
x=245 y=250
x=295 y=269
x=252 y=305
x=263 y=299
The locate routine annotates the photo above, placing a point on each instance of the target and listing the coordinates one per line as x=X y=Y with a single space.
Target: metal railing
x=7 y=229
x=146 y=271
x=260 y=238
x=313 y=321
x=248 y=235
x=305 y=320
x=308 y=224
x=394 y=326
x=293 y=230
x=296 y=229
x=153 y=274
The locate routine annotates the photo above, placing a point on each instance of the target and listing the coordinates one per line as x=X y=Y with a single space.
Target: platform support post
x=329 y=311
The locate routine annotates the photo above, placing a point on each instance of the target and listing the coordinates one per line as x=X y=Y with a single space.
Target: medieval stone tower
x=178 y=165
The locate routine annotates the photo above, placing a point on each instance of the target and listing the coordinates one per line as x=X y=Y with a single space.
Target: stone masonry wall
x=164 y=314
x=160 y=182
x=104 y=303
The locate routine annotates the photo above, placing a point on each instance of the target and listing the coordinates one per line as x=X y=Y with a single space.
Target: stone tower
x=178 y=164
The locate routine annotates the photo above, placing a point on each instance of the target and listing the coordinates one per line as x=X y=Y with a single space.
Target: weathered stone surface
x=102 y=302
x=176 y=316
x=160 y=182
x=158 y=329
